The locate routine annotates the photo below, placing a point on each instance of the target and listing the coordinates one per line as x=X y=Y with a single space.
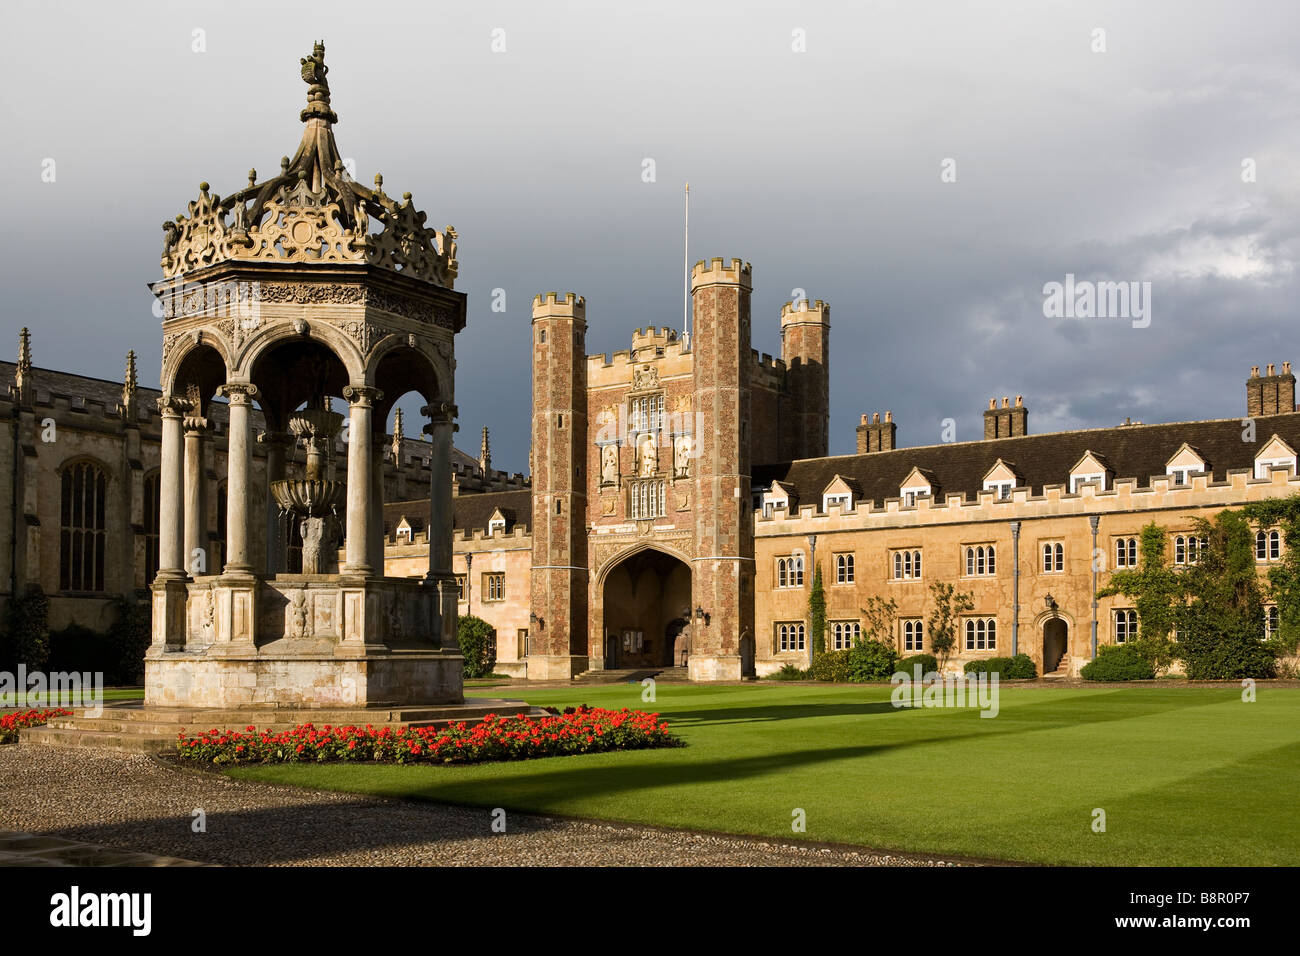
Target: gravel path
x=135 y=802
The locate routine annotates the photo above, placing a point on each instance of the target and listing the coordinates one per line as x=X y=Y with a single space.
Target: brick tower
x=805 y=347
x=722 y=585
x=558 y=623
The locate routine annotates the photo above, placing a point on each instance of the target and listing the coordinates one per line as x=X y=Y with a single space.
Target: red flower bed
x=580 y=730
x=10 y=724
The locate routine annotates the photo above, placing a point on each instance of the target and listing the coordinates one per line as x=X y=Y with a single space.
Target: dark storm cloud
x=822 y=168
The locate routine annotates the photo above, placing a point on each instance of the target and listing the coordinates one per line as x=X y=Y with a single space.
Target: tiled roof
x=1133 y=451
x=472 y=511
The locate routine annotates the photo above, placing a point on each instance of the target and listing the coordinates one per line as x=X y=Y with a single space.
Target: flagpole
x=686 y=270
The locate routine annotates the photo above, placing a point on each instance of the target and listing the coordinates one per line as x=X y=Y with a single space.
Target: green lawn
x=109 y=694
x=1185 y=775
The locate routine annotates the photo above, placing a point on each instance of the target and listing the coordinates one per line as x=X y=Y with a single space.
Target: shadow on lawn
x=547 y=785
x=1043 y=712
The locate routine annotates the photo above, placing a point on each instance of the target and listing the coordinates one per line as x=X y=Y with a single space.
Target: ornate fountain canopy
x=313 y=211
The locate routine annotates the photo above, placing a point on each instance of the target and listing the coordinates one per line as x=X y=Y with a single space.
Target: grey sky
x=822 y=168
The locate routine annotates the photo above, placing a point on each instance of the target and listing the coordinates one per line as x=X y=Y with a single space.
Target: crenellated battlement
x=768 y=371
x=559 y=305
x=1126 y=495
x=714 y=272
x=803 y=310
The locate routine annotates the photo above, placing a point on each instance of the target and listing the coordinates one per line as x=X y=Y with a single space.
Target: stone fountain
x=314 y=500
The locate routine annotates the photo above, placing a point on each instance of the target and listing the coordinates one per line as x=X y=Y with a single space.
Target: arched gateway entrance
x=1056 y=635
x=647 y=600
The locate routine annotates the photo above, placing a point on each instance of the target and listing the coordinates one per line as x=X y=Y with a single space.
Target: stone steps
x=622 y=675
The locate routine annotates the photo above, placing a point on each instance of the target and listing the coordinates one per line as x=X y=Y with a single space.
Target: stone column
x=442 y=520
x=171 y=485
x=361 y=399
x=277 y=446
x=195 y=532
x=238 y=460
x=378 y=538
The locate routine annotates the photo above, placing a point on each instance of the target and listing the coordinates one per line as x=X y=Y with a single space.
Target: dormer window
x=1001 y=478
x=778 y=496
x=838 y=492
x=1275 y=454
x=1186 y=462
x=403 y=532
x=918 y=482
x=1090 y=468
x=495 y=525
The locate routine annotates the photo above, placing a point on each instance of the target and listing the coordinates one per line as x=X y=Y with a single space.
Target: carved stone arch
x=1044 y=616
x=321 y=333
x=618 y=558
x=180 y=345
x=439 y=362
x=80 y=458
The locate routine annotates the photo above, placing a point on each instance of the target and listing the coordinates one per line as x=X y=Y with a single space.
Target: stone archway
x=646 y=599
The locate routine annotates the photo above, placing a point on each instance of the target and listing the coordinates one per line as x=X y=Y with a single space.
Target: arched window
x=970 y=561
x=898 y=564
x=82 y=528
x=981 y=634
x=981 y=560
x=1126 y=552
x=1053 y=557
x=1274 y=545
x=790 y=637
x=797 y=577
x=1180 y=549
x=1126 y=625
x=152 y=523
x=907 y=564
x=844 y=569
x=913 y=636
x=1272 y=620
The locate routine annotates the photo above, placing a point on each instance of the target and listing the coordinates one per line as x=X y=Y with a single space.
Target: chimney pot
x=1270 y=368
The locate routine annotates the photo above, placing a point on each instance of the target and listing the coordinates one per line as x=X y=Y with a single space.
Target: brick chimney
x=1270 y=393
x=1009 y=421
x=875 y=435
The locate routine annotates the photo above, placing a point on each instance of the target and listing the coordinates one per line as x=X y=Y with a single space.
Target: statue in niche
x=609 y=465
x=682 y=456
x=208 y=617
x=296 y=615
x=649 y=456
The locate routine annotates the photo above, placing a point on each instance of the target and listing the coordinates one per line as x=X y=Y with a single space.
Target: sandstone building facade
x=679 y=500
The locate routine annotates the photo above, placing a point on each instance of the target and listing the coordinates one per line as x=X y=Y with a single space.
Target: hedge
x=1020 y=667
x=1115 y=662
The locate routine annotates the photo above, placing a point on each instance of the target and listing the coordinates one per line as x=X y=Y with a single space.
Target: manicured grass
x=1184 y=775
x=109 y=693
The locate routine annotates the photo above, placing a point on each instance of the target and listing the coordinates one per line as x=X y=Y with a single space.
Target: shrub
x=128 y=639
x=1225 y=650
x=1115 y=662
x=790 y=672
x=577 y=731
x=1020 y=667
x=831 y=666
x=26 y=631
x=478 y=642
x=872 y=661
x=863 y=662
x=929 y=664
